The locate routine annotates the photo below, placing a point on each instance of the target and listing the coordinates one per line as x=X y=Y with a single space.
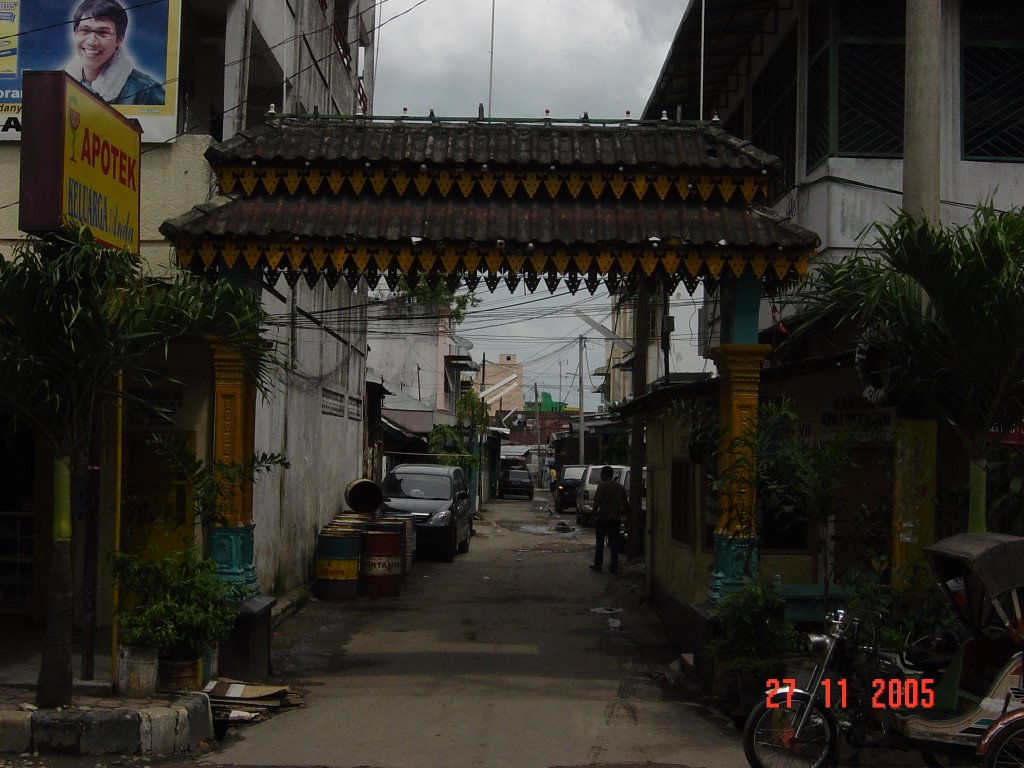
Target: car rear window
x=418 y=486
x=573 y=473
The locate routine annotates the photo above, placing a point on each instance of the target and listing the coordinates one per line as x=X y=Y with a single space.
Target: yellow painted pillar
x=913 y=514
x=739 y=368
x=231 y=538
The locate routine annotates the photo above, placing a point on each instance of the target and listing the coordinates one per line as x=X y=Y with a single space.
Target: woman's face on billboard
x=96 y=41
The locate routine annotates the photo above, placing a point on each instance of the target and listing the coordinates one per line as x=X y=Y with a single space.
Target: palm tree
x=74 y=315
x=948 y=301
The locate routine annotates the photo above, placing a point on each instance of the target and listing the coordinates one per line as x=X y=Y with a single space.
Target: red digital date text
x=895 y=693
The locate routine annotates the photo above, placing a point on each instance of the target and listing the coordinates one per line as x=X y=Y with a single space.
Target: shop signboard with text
x=79 y=163
x=124 y=52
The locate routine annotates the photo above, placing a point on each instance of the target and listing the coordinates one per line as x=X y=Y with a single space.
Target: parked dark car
x=568 y=483
x=437 y=498
x=515 y=482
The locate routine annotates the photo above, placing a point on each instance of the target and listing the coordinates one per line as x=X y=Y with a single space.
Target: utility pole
x=581 y=461
x=641 y=323
x=536 y=415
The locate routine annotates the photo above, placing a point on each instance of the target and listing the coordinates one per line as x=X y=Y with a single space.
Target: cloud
x=569 y=56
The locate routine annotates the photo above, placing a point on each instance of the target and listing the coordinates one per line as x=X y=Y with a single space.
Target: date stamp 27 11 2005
x=893 y=693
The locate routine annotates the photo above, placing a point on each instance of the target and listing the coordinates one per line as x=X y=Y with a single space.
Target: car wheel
x=531 y=497
x=464 y=544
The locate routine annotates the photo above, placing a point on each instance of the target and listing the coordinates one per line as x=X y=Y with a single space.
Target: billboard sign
x=128 y=58
x=79 y=163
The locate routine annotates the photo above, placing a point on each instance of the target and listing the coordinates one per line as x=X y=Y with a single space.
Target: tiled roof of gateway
x=650 y=147
x=676 y=200
x=524 y=221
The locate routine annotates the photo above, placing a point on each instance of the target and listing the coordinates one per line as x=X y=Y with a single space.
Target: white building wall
x=407 y=346
x=315 y=419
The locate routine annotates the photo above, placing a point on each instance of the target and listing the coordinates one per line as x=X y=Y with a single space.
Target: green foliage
x=74 y=314
x=449 y=444
x=904 y=604
x=751 y=632
x=948 y=300
x=439 y=296
x=175 y=604
x=212 y=484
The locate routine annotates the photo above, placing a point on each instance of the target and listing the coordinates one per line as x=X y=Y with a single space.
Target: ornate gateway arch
x=506 y=202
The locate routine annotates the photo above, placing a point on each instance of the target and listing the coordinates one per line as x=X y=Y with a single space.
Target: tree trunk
x=976 y=515
x=54 y=685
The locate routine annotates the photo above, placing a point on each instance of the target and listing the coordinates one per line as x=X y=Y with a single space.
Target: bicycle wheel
x=769 y=736
x=1007 y=749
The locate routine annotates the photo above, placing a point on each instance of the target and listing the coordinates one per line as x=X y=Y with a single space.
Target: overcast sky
x=568 y=56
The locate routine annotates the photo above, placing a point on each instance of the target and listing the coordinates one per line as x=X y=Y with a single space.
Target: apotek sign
x=79 y=163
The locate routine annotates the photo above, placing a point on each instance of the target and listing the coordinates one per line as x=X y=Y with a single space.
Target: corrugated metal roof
x=731 y=28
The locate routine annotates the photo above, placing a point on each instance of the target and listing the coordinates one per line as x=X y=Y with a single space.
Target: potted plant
x=751 y=640
x=176 y=604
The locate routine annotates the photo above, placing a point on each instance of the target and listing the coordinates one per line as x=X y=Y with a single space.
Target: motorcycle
x=960 y=702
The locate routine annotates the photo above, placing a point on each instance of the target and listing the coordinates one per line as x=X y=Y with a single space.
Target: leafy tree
x=440 y=296
x=949 y=303
x=73 y=316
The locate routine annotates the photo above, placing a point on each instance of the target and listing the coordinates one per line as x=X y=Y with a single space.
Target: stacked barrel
x=361 y=552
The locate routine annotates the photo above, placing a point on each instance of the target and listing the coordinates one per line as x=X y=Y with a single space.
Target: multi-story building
x=870 y=107
x=221 y=68
x=415 y=354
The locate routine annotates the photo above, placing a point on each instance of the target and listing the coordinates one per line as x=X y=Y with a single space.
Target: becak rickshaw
x=960 y=700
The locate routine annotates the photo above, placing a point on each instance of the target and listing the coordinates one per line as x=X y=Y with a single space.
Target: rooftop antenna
x=490 y=77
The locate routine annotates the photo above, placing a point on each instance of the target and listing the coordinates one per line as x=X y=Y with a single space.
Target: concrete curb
x=179 y=727
x=106 y=724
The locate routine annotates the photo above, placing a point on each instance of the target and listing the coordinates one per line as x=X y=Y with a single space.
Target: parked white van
x=585 y=494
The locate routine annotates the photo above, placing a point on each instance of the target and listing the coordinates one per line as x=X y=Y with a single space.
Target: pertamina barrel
x=381 y=563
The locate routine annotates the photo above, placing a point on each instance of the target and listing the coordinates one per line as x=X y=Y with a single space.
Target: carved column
x=231 y=538
x=735 y=556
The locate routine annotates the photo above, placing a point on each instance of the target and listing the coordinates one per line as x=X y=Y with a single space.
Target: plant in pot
x=750 y=644
x=176 y=604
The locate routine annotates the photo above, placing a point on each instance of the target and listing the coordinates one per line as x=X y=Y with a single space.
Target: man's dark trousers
x=612 y=530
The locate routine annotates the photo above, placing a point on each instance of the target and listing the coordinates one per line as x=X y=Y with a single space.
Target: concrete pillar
x=922 y=126
x=914 y=471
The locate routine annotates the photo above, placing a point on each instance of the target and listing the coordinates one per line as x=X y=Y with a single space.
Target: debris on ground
x=234 y=702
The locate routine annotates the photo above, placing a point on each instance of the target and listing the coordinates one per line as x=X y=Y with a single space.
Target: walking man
x=610 y=509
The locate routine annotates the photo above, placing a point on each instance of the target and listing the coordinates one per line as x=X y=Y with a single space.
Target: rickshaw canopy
x=979 y=572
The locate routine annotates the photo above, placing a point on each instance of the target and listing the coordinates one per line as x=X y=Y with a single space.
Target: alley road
x=515 y=655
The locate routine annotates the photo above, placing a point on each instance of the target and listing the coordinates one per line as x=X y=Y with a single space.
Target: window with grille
x=773 y=112
x=992 y=60
x=855 y=79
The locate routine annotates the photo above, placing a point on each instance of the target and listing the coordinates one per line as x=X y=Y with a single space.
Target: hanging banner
x=128 y=57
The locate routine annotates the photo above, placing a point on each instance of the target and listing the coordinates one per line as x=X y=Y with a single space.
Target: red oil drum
x=380 y=571
x=408 y=529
